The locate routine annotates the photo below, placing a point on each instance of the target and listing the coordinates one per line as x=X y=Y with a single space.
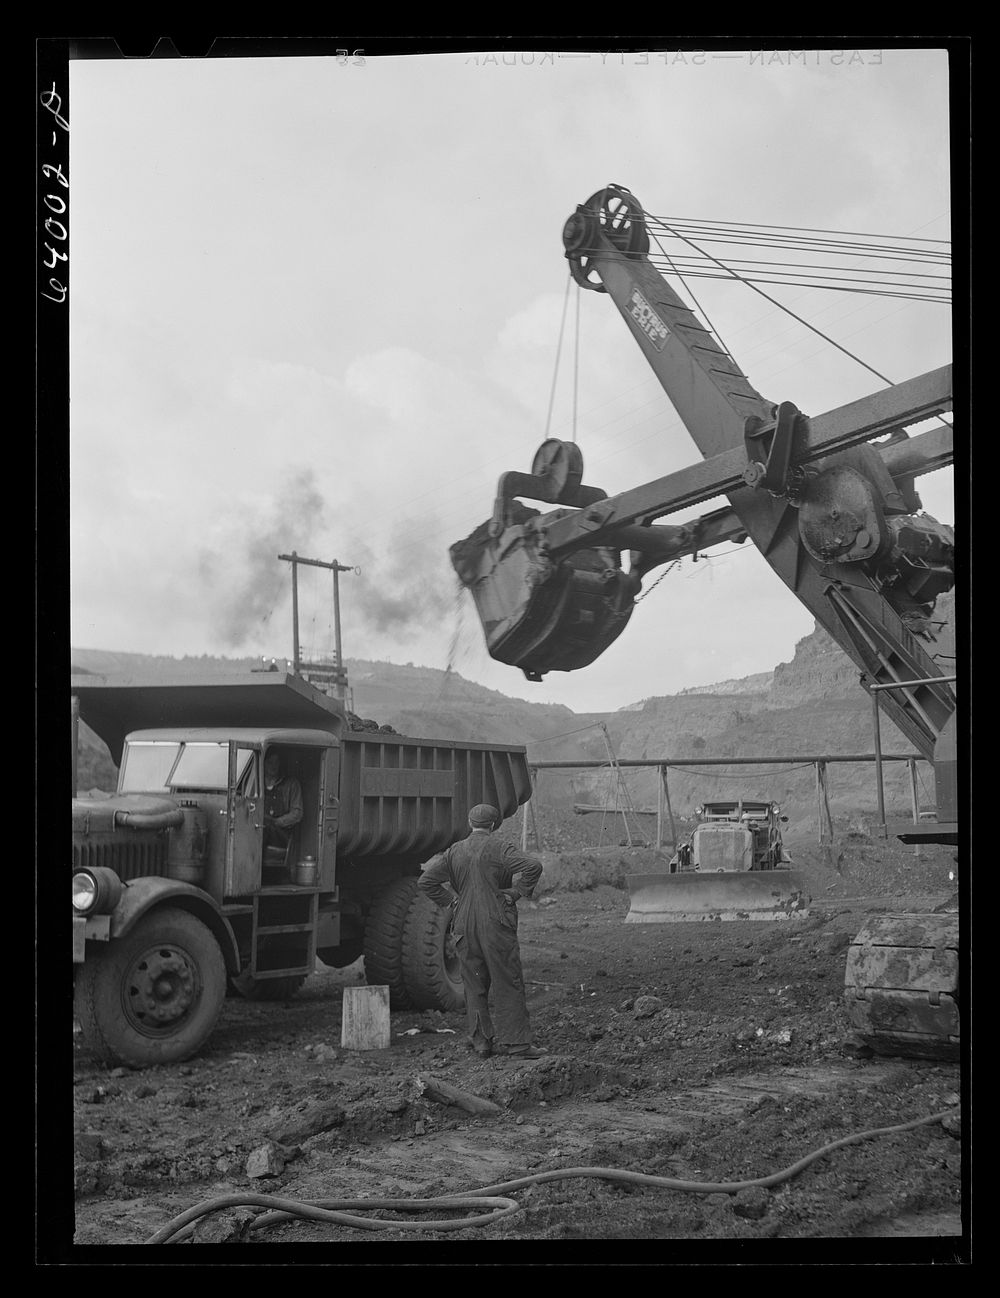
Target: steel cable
x=555 y=372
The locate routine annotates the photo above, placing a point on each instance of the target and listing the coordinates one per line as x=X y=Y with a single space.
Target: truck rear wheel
x=383 y=941
x=153 y=996
x=431 y=968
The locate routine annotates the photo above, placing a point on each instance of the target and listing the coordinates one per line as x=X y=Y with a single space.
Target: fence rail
x=664 y=811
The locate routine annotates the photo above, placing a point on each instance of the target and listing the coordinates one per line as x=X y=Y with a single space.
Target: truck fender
x=140 y=896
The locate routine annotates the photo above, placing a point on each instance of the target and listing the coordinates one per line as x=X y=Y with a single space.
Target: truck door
x=245 y=821
x=329 y=817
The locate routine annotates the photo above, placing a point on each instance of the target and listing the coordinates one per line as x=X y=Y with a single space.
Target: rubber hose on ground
x=334 y=1210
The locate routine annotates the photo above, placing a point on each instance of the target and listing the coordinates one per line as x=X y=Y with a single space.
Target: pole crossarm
x=317 y=563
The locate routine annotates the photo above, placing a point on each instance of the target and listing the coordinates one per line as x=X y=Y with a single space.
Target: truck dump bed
x=401 y=795
x=398 y=795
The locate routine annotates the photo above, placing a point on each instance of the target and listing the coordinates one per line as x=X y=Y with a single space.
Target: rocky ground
x=691 y=1053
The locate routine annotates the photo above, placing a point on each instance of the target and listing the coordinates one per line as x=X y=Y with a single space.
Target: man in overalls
x=483 y=879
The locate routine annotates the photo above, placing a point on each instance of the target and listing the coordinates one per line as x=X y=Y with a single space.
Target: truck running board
x=720 y=895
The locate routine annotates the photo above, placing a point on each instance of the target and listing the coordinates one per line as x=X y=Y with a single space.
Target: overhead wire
x=940 y=262
x=801 y=237
x=786 y=264
x=906 y=265
x=594 y=725
x=799 y=241
x=805 y=229
x=840 y=287
x=911 y=293
x=830 y=340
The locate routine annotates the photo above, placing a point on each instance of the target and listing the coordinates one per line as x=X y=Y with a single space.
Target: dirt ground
x=697 y=1052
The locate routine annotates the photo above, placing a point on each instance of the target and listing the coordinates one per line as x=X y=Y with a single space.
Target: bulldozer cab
x=734 y=836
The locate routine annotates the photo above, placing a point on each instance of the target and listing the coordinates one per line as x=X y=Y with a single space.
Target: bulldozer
x=731 y=866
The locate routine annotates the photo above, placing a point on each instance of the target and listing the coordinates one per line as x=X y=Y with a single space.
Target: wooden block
x=365 y=1019
x=435 y=1088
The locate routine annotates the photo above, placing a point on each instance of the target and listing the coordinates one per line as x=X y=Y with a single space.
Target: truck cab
x=176 y=894
x=216 y=779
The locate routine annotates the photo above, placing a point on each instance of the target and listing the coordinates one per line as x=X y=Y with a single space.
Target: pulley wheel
x=622 y=220
x=561 y=464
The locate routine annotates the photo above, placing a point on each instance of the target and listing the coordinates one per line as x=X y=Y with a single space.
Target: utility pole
x=319 y=671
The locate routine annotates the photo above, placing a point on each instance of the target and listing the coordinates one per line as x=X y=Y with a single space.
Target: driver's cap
x=483 y=816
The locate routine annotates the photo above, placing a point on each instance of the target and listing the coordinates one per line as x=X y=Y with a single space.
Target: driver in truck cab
x=282 y=803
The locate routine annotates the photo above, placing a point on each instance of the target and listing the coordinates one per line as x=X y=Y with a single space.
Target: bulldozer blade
x=737 y=895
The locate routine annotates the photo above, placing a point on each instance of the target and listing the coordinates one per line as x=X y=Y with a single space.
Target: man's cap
x=483 y=816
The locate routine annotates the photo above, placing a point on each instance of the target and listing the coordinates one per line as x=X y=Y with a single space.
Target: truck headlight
x=96 y=891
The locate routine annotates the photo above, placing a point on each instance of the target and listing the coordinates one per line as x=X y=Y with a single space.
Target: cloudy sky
x=316 y=306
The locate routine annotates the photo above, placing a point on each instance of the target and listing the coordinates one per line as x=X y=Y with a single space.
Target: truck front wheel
x=430 y=963
x=153 y=996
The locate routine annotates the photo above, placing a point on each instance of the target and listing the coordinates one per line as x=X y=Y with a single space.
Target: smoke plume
x=247 y=579
x=407 y=585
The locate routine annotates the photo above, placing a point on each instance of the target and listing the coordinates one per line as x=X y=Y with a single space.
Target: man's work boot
x=483 y=1046
x=524 y=1052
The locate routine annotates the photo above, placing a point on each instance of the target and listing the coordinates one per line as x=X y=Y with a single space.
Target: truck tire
x=153 y=996
x=266 y=989
x=430 y=965
x=383 y=941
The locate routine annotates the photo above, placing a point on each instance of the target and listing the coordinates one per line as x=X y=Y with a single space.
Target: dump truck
x=176 y=898
x=732 y=865
x=830 y=503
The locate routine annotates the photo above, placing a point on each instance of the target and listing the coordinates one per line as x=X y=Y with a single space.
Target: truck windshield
x=147 y=766
x=202 y=766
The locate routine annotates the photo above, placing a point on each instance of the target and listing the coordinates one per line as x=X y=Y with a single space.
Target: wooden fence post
x=670 y=811
x=914 y=800
x=823 y=806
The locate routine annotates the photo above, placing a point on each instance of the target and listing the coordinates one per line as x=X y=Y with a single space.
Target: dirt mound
x=575 y=871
